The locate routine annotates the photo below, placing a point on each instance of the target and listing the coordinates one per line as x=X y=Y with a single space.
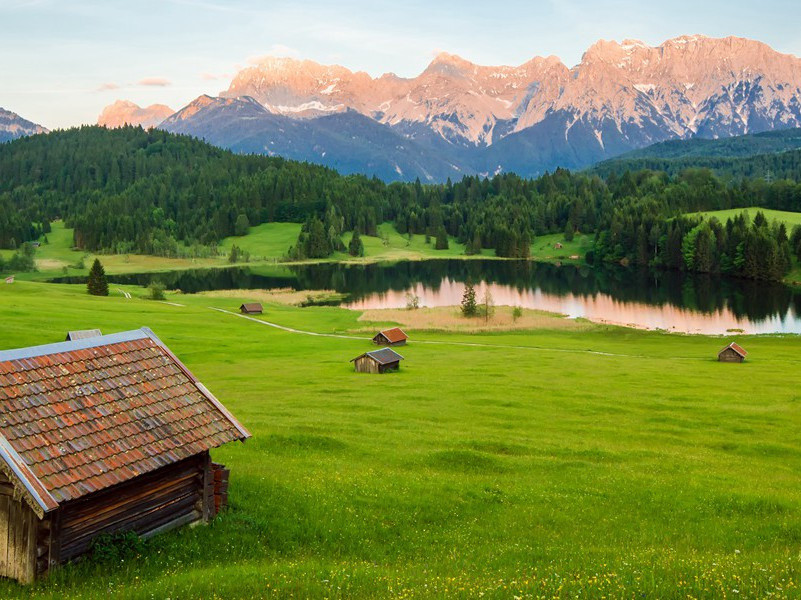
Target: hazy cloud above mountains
x=57 y=72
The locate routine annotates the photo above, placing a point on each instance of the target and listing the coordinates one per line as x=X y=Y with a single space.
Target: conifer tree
x=442 y=239
x=356 y=247
x=469 y=306
x=96 y=283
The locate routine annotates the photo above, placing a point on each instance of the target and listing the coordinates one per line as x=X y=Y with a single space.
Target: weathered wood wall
x=18 y=535
x=188 y=491
x=169 y=497
x=365 y=364
x=729 y=355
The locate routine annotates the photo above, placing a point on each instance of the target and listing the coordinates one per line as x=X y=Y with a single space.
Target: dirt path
x=437 y=342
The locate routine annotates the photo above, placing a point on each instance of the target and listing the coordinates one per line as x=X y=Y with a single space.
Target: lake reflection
x=598 y=307
x=648 y=299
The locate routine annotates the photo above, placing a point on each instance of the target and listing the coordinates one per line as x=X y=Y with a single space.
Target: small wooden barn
x=391 y=337
x=251 y=308
x=732 y=353
x=102 y=435
x=82 y=334
x=377 y=361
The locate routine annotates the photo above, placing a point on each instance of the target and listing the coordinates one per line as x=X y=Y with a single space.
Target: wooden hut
x=391 y=337
x=377 y=361
x=732 y=353
x=82 y=334
x=102 y=435
x=251 y=308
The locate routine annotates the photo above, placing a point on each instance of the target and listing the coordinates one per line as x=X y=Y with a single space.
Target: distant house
x=10 y=279
x=35 y=244
x=83 y=334
x=732 y=353
x=377 y=361
x=102 y=435
x=391 y=337
x=251 y=308
x=557 y=246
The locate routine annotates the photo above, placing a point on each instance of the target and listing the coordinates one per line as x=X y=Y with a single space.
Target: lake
x=654 y=300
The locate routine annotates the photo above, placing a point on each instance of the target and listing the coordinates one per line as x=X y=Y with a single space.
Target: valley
x=510 y=326
x=557 y=478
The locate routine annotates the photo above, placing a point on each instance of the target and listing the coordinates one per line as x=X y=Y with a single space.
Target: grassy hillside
x=790 y=219
x=555 y=462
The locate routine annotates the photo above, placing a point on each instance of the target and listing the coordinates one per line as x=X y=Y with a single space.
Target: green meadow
x=558 y=462
x=790 y=219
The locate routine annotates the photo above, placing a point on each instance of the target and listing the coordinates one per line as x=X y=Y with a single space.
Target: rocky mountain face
x=12 y=126
x=460 y=118
x=124 y=112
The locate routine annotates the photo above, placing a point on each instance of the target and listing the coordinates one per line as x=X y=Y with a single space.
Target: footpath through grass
x=532 y=469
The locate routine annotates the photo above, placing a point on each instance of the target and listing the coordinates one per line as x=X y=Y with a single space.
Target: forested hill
x=771 y=155
x=129 y=190
x=133 y=190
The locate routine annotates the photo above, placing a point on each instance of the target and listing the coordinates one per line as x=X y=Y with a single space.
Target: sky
x=62 y=61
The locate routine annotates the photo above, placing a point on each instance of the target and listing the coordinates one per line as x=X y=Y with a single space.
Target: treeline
x=770 y=166
x=743 y=248
x=129 y=190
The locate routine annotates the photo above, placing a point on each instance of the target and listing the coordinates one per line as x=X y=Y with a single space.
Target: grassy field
x=791 y=219
x=591 y=462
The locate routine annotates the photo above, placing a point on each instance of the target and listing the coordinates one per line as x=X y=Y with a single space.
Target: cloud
x=214 y=76
x=273 y=51
x=105 y=87
x=154 y=82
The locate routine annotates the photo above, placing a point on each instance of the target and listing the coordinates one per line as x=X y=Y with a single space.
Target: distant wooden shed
x=732 y=353
x=377 y=361
x=251 y=308
x=82 y=334
x=391 y=337
x=102 y=435
x=10 y=279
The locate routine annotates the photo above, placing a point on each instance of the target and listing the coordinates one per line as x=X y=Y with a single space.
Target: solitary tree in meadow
x=96 y=283
x=469 y=306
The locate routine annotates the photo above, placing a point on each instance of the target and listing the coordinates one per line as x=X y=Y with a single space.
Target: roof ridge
x=85 y=344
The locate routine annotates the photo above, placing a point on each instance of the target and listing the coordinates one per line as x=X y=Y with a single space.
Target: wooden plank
x=139 y=521
x=28 y=555
x=71 y=526
x=54 y=555
x=208 y=488
x=88 y=507
x=14 y=538
x=4 y=523
x=146 y=504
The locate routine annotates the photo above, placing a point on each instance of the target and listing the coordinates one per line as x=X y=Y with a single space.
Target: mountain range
x=458 y=118
x=12 y=126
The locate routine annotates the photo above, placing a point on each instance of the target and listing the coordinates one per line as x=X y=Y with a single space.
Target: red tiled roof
x=78 y=417
x=394 y=335
x=737 y=348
